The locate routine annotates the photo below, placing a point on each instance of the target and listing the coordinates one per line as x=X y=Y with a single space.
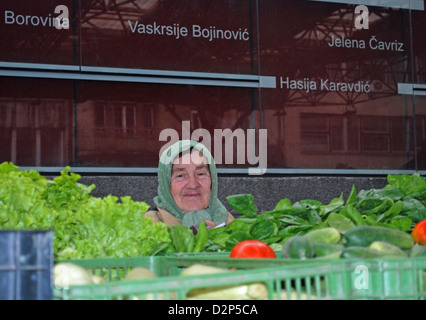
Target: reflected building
x=97 y=94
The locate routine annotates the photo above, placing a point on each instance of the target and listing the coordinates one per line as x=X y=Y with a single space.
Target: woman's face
x=191 y=182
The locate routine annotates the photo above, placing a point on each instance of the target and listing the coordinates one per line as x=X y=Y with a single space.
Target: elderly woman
x=187 y=187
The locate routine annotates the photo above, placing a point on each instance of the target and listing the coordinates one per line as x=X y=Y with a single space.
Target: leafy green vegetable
x=352 y=196
x=90 y=227
x=263 y=229
x=202 y=238
x=183 y=238
x=353 y=214
x=85 y=226
x=408 y=184
x=244 y=204
x=340 y=222
x=399 y=205
x=284 y=204
x=333 y=205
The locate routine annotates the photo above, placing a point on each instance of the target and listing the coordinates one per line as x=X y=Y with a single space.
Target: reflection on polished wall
x=337 y=103
x=36 y=129
x=96 y=95
x=121 y=124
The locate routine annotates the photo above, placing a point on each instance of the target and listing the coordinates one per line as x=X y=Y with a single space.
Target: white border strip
x=39 y=66
x=51 y=71
x=400 y=4
x=134 y=79
x=412 y=88
x=169 y=73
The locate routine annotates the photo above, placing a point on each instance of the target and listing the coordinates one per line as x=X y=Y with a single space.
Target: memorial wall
x=280 y=86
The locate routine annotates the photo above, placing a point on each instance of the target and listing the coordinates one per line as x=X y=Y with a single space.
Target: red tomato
x=252 y=249
x=419 y=233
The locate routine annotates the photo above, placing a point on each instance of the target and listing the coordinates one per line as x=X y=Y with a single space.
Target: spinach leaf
x=334 y=204
x=293 y=220
x=244 y=204
x=408 y=184
x=340 y=222
x=183 y=238
x=352 y=196
x=353 y=214
x=311 y=204
x=402 y=223
x=240 y=224
x=202 y=237
x=283 y=204
x=263 y=229
x=414 y=209
x=220 y=239
x=391 y=212
x=313 y=217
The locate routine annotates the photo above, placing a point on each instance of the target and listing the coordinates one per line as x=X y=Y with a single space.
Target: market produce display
x=85 y=226
x=359 y=242
x=399 y=205
x=376 y=223
x=77 y=276
x=90 y=227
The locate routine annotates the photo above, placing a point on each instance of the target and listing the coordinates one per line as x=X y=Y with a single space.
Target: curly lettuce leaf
x=85 y=226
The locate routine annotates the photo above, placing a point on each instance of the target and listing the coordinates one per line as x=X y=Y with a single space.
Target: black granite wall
x=267 y=190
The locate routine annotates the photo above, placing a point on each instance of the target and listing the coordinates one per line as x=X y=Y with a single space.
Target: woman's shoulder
x=161 y=215
x=230 y=218
x=151 y=213
x=154 y=214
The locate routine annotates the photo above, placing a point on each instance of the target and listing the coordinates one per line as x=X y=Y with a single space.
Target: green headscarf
x=216 y=211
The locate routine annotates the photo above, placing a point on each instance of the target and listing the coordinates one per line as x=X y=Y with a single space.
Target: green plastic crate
x=398 y=278
x=339 y=279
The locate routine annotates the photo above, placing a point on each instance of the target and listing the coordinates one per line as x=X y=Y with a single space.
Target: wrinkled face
x=191 y=182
